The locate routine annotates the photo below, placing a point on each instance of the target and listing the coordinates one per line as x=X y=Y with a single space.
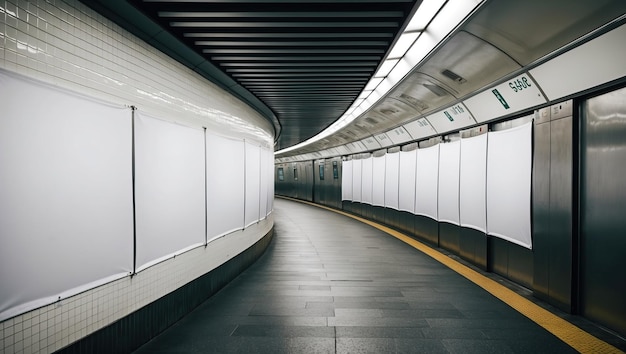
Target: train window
x=281 y=174
x=295 y=173
x=321 y=172
x=335 y=170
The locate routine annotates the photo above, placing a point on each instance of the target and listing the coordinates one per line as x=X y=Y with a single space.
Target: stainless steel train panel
x=541 y=206
x=552 y=206
x=561 y=179
x=602 y=210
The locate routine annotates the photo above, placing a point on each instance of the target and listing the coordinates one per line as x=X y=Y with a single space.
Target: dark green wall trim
x=136 y=329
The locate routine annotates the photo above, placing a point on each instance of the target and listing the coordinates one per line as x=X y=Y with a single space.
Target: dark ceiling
x=305 y=60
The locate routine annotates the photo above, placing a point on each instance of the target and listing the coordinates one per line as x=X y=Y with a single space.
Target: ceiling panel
x=306 y=60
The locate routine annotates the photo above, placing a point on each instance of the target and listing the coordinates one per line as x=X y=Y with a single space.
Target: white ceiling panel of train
x=356 y=146
x=519 y=93
x=422 y=93
x=466 y=63
x=450 y=119
x=383 y=140
x=583 y=67
x=343 y=150
x=530 y=29
x=419 y=129
x=370 y=143
x=399 y=135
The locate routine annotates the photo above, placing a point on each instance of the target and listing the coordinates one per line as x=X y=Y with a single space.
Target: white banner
x=270 y=189
x=346 y=180
x=392 y=170
x=253 y=183
x=509 y=164
x=265 y=157
x=356 y=180
x=449 y=155
x=378 y=181
x=225 y=185
x=408 y=162
x=426 y=181
x=473 y=183
x=169 y=189
x=66 y=212
x=366 y=180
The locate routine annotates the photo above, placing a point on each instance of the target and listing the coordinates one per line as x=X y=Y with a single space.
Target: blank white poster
x=169 y=189
x=356 y=180
x=426 y=181
x=270 y=190
x=509 y=163
x=366 y=180
x=253 y=183
x=392 y=180
x=225 y=183
x=378 y=181
x=66 y=212
x=408 y=162
x=264 y=183
x=473 y=183
x=448 y=203
x=346 y=180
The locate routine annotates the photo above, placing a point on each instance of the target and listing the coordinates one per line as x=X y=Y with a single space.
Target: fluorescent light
x=450 y=16
x=402 y=45
x=410 y=49
x=373 y=83
x=420 y=49
x=365 y=93
x=399 y=71
x=383 y=87
x=386 y=67
x=425 y=13
x=368 y=103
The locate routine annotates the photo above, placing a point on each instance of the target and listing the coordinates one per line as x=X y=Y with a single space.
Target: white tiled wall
x=55 y=326
x=67 y=44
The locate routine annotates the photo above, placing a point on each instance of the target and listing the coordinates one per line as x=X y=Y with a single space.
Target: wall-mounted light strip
x=430 y=24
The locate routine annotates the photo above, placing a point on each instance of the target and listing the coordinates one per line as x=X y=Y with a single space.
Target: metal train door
x=603 y=210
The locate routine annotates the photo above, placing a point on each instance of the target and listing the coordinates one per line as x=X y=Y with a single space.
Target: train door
x=603 y=210
x=308 y=170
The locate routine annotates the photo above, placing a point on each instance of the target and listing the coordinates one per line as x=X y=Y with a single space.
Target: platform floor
x=330 y=284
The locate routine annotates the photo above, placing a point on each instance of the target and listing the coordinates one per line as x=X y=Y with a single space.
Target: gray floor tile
x=477 y=346
x=378 y=332
x=320 y=290
x=429 y=346
x=284 y=331
x=365 y=345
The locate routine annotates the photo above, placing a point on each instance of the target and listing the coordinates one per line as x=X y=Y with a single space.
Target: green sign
x=449 y=116
x=500 y=98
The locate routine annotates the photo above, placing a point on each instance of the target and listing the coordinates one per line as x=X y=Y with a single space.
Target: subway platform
x=331 y=284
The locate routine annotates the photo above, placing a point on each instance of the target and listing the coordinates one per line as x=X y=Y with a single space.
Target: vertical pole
x=206 y=207
x=245 y=172
x=133 y=110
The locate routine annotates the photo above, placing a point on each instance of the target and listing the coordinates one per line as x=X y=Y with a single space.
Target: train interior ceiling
x=556 y=67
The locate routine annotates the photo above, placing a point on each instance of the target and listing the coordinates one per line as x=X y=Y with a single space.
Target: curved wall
x=70 y=50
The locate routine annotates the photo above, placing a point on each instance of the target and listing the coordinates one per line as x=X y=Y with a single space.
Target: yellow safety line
x=575 y=337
